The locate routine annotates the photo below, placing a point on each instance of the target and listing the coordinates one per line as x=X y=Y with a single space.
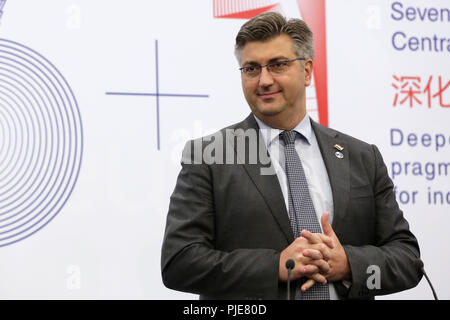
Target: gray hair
x=268 y=25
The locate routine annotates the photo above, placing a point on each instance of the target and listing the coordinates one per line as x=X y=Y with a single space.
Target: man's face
x=273 y=95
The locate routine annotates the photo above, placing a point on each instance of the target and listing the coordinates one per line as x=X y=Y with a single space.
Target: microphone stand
x=290 y=264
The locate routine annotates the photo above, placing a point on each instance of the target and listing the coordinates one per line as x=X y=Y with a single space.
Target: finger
x=308 y=284
x=326 y=226
x=319 y=278
x=309 y=270
x=313 y=254
x=324 y=267
x=311 y=237
x=324 y=250
x=327 y=240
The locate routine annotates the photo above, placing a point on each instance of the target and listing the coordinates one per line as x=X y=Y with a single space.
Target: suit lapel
x=337 y=168
x=267 y=184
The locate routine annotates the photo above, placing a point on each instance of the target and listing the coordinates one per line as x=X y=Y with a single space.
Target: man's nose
x=265 y=78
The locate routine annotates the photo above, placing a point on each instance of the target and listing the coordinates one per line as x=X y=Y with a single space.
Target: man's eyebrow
x=250 y=63
x=278 y=59
x=254 y=63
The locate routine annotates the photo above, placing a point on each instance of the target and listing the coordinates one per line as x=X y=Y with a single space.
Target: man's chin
x=269 y=112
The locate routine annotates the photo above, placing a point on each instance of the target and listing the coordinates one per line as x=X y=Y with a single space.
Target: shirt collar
x=269 y=133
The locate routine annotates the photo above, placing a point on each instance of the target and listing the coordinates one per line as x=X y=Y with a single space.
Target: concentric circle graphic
x=41 y=142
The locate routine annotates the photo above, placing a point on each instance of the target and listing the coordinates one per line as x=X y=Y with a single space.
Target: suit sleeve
x=191 y=263
x=395 y=248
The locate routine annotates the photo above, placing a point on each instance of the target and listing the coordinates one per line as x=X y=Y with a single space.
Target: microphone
x=290 y=264
x=419 y=265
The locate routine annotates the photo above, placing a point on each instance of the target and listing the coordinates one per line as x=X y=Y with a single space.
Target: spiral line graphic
x=41 y=142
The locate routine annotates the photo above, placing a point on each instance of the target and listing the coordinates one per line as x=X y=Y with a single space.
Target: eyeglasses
x=274 y=68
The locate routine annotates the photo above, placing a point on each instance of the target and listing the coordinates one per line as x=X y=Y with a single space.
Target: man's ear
x=309 y=66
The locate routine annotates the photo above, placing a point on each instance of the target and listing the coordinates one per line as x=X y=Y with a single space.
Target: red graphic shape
x=249 y=13
x=313 y=13
x=238 y=9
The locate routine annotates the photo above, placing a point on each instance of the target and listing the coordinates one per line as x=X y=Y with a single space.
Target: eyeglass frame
x=269 y=64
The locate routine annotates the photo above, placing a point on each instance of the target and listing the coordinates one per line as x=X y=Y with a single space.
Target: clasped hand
x=319 y=257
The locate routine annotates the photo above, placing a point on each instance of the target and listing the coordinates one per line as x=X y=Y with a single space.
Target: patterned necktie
x=301 y=209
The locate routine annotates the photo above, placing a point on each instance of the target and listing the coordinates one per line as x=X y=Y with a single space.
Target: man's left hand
x=332 y=251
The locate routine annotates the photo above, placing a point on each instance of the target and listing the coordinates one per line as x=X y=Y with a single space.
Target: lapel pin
x=338 y=153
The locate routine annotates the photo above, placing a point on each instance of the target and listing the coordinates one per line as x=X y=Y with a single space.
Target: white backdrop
x=105 y=241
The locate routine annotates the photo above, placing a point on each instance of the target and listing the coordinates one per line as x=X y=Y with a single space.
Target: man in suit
x=280 y=186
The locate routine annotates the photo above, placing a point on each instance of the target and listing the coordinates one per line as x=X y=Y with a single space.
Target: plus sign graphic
x=158 y=94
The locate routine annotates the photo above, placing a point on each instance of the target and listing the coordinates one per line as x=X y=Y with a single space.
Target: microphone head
x=418 y=263
x=290 y=264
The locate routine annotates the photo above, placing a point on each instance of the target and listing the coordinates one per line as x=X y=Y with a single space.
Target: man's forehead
x=262 y=51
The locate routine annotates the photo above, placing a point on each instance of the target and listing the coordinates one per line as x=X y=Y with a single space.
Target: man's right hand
x=313 y=267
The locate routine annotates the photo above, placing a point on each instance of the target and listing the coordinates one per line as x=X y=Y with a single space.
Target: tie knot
x=288 y=136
